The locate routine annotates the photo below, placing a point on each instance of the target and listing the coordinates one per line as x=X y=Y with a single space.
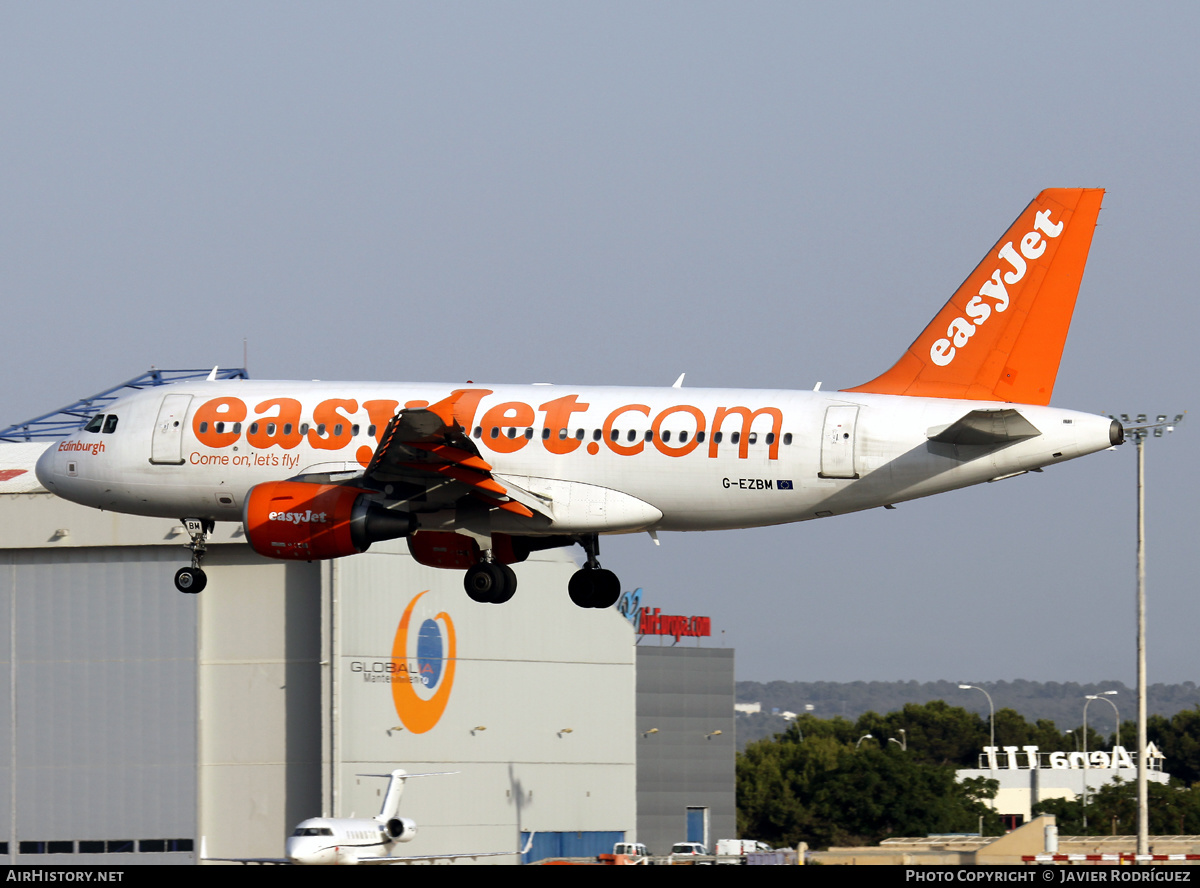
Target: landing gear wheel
x=490 y=582
x=594 y=587
x=482 y=580
x=508 y=588
x=606 y=588
x=190 y=580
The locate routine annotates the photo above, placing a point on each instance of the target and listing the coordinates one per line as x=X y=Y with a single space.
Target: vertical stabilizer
x=1001 y=335
x=391 y=801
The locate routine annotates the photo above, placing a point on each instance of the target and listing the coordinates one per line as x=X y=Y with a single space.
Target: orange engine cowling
x=304 y=521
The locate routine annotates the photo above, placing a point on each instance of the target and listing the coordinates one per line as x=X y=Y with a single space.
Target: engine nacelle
x=445 y=548
x=401 y=829
x=303 y=521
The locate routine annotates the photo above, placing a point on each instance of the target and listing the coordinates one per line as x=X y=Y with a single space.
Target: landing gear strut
x=490 y=582
x=592 y=585
x=192 y=579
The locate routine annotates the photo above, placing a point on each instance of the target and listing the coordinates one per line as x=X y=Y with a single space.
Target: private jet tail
x=391 y=800
x=1001 y=335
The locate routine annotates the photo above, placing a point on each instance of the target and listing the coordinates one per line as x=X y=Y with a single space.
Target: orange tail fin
x=1001 y=335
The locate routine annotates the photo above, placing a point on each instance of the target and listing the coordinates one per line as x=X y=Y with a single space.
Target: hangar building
x=146 y=726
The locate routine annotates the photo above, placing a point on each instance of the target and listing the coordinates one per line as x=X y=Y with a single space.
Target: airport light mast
x=1139 y=429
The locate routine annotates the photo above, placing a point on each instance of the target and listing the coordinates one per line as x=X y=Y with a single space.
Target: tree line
x=841 y=782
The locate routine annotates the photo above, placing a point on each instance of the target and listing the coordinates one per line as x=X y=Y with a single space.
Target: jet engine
x=401 y=829
x=303 y=521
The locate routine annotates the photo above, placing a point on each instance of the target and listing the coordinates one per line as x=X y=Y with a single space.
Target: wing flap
x=428 y=446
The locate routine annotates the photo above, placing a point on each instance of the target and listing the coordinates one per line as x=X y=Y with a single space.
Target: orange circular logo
x=421 y=693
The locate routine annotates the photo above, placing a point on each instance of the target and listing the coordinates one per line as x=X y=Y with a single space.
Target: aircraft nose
x=46 y=469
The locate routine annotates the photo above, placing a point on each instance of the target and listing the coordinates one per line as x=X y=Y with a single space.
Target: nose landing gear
x=192 y=580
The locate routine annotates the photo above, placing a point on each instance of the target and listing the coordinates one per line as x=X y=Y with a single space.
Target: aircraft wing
x=427 y=453
x=364 y=861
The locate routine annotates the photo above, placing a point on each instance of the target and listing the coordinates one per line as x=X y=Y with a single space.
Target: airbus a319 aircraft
x=476 y=477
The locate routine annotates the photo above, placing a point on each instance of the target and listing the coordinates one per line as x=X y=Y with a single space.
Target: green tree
x=812 y=783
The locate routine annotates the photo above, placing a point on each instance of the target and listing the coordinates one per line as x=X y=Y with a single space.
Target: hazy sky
x=760 y=194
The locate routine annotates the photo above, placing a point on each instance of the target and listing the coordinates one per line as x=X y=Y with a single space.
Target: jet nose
x=46 y=468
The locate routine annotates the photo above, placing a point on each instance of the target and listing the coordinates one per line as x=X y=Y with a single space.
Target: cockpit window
x=313 y=831
x=96 y=423
x=110 y=423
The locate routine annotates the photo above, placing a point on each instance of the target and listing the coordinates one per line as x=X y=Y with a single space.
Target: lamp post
x=1139 y=429
x=991 y=708
x=1104 y=695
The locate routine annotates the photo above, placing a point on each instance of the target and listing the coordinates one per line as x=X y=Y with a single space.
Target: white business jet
x=477 y=477
x=362 y=841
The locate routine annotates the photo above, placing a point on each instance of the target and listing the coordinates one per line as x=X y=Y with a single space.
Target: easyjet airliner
x=476 y=477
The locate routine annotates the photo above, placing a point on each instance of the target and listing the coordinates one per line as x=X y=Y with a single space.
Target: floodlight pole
x=1139 y=431
x=1143 y=797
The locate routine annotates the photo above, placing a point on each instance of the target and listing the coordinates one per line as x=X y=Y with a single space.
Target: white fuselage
x=602 y=459
x=329 y=840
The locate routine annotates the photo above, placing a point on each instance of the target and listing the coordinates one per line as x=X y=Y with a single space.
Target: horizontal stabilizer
x=986 y=427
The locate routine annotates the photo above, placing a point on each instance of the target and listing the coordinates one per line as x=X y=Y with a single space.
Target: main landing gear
x=592 y=585
x=490 y=582
x=192 y=580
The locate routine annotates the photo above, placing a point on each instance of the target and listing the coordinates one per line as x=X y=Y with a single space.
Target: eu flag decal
x=784 y=485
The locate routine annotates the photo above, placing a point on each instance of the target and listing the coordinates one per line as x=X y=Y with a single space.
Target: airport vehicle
x=476 y=477
x=684 y=850
x=734 y=851
x=361 y=841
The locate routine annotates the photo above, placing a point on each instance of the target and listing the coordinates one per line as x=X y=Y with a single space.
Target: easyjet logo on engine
x=995 y=289
x=306 y=517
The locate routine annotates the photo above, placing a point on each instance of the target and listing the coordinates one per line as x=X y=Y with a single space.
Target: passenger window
x=254 y=428
x=220 y=427
x=237 y=428
x=699 y=437
x=787 y=439
x=354 y=430
x=545 y=434
x=579 y=434
x=96 y=424
x=203 y=427
x=595 y=434
x=615 y=435
x=717 y=437
x=666 y=437
x=733 y=439
x=752 y=438
x=321 y=430
x=632 y=436
x=303 y=428
x=562 y=434
x=495 y=433
x=770 y=437
x=337 y=430
x=478 y=431
x=650 y=435
x=528 y=434
x=271 y=429
x=287 y=428
x=683 y=437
